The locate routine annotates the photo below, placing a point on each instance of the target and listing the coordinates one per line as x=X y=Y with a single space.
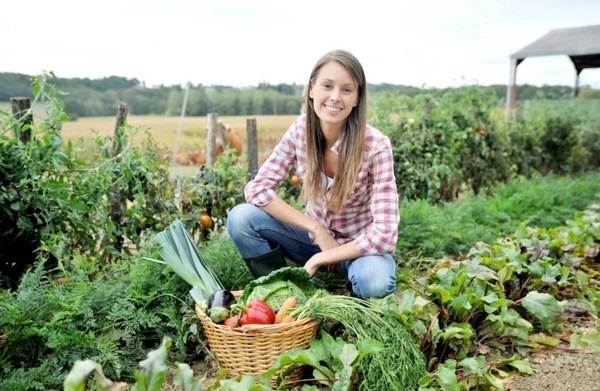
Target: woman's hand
x=318 y=261
x=311 y=266
x=314 y=264
x=323 y=239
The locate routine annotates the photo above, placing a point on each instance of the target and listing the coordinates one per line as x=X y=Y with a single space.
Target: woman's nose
x=335 y=94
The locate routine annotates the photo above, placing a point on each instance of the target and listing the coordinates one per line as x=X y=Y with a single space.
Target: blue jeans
x=254 y=232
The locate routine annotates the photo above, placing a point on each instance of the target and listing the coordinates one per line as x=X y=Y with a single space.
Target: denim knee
x=366 y=287
x=373 y=276
x=238 y=218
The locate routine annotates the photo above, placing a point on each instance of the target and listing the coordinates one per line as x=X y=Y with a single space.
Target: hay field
x=192 y=135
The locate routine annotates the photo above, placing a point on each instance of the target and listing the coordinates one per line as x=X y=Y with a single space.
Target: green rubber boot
x=263 y=265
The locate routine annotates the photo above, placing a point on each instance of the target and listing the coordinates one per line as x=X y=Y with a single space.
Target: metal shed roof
x=576 y=41
x=581 y=44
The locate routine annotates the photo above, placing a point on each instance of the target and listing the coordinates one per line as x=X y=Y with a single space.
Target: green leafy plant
x=364 y=320
x=55 y=198
x=111 y=318
x=41 y=182
x=489 y=302
x=150 y=376
x=472 y=373
x=334 y=361
x=444 y=142
x=214 y=190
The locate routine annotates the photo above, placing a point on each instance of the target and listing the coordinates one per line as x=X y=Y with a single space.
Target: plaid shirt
x=371 y=214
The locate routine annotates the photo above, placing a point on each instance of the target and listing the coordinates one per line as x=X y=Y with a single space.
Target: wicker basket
x=253 y=350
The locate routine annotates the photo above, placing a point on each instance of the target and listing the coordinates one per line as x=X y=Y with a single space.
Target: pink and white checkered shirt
x=371 y=215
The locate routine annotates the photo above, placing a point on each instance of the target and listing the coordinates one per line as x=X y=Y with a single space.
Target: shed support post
x=511 y=91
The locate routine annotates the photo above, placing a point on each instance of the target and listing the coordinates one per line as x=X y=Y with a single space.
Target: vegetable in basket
x=257 y=312
x=219 y=304
x=221 y=298
x=286 y=307
x=232 y=322
x=280 y=285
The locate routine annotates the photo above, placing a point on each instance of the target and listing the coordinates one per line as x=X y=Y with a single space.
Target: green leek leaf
x=178 y=251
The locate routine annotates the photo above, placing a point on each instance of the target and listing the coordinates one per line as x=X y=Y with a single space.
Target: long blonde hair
x=352 y=142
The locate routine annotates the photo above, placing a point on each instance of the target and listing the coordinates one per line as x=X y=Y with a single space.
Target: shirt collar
x=337 y=146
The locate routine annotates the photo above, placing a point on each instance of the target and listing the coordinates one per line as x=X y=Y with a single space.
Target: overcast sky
x=435 y=43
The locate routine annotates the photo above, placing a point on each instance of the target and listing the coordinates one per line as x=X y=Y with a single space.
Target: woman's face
x=334 y=94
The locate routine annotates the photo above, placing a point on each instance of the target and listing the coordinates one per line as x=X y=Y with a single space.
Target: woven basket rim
x=255 y=328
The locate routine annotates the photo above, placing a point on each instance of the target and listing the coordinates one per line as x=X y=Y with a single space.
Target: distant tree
x=203 y=100
x=144 y=101
x=268 y=104
x=175 y=101
x=289 y=89
x=14 y=84
x=589 y=93
x=100 y=97
x=399 y=89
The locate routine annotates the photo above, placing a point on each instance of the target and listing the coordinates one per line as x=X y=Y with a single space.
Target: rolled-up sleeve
x=261 y=190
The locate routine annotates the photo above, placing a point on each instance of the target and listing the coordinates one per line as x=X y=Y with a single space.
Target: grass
x=428 y=231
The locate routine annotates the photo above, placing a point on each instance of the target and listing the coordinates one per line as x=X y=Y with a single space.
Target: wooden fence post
x=427 y=107
x=118 y=139
x=252 y=136
x=116 y=202
x=21 y=110
x=211 y=153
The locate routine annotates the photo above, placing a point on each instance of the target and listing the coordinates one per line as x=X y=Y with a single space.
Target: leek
x=178 y=251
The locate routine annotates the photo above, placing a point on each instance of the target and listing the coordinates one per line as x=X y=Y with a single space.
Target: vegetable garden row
x=482 y=280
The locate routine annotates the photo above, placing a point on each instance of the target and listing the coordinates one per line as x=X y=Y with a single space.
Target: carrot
x=287 y=305
x=287 y=319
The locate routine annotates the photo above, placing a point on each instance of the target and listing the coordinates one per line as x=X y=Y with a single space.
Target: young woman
x=351 y=219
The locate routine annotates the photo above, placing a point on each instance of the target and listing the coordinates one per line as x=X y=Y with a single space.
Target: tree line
x=86 y=97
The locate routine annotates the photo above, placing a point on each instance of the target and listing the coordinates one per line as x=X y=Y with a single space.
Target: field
x=192 y=130
x=164 y=130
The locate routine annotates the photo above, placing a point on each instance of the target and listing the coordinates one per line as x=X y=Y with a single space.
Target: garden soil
x=560 y=370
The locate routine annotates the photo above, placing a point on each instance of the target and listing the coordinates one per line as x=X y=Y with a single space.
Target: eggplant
x=221 y=298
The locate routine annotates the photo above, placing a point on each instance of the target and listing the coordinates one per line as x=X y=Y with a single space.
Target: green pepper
x=257 y=312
